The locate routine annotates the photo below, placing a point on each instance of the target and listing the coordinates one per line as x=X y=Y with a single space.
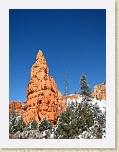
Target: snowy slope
x=101 y=104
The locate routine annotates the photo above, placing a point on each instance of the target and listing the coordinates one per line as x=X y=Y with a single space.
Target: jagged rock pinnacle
x=43 y=97
x=39 y=55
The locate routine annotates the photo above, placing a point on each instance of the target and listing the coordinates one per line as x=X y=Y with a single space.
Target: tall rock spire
x=39 y=68
x=43 y=98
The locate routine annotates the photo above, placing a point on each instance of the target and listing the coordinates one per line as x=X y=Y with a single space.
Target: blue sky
x=72 y=40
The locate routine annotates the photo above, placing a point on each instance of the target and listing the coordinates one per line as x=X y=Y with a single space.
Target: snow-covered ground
x=101 y=104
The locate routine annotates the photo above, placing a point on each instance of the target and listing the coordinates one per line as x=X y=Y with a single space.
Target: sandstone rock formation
x=17 y=105
x=43 y=98
x=100 y=91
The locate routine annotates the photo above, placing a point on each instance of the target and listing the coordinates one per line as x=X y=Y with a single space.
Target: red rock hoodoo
x=100 y=91
x=17 y=105
x=43 y=98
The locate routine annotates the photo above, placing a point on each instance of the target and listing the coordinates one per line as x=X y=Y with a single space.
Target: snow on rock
x=77 y=98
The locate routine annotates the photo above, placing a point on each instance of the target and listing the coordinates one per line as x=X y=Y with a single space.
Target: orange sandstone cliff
x=100 y=91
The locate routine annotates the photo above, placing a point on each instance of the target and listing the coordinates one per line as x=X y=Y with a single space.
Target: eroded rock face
x=100 y=91
x=17 y=105
x=43 y=98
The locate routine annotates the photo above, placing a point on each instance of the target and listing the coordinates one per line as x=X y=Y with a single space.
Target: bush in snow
x=97 y=114
x=31 y=134
x=31 y=126
x=15 y=122
x=94 y=132
x=72 y=105
x=44 y=125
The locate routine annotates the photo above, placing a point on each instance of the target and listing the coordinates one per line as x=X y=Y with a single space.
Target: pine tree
x=95 y=112
x=12 y=122
x=73 y=121
x=67 y=125
x=83 y=112
x=94 y=132
x=66 y=85
x=73 y=105
x=31 y=126
x=84 y=89
x=78 y=118
x=44 y=125
x=20 y=122
x=15 y=122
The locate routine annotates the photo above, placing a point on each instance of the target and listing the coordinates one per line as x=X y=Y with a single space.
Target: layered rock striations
x=100 y=91
x=43 y=97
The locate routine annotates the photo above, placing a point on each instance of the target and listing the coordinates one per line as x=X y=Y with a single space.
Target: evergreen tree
x=44 y=125
x=31 y=126
x=12 y=121
x=73 y=121
x=77 y=118
x=95 y=112
x=73 y=105
x=83 y=112
x=15 y=122
x=97 y=131
x=94 y=132
x=84 y=89
x=67 y=125
x=20 y=122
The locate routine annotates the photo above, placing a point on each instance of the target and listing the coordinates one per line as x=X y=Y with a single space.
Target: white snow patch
x=101 y=104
